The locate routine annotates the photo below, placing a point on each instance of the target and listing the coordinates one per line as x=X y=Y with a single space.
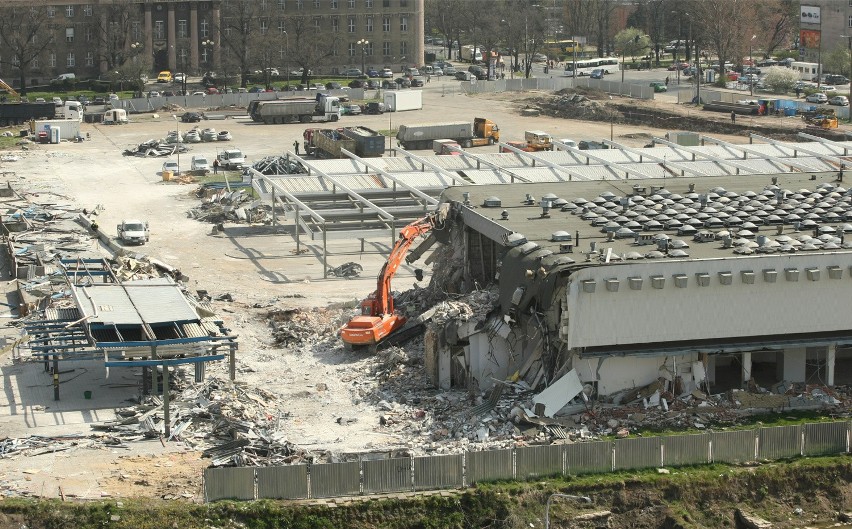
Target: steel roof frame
x=542 y=161
x=413 y=190
x=606 y=163
x=719 y=161
x=826 y=157
x=438 y=169
x=659 y=159
x=778 y=162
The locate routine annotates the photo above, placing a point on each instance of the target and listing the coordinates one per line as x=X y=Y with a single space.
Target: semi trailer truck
x=480 y=132
x=304 y=110
x=329 y=143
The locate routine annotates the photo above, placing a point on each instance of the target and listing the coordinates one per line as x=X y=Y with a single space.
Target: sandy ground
x=257 y=266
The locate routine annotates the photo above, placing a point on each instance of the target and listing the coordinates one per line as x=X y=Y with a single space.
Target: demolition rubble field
x=298 y=396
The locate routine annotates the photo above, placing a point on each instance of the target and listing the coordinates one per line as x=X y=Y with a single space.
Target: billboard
x=810 y=15
x=809 y=38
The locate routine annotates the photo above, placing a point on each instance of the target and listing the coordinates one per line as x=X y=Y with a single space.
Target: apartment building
x=93 y=37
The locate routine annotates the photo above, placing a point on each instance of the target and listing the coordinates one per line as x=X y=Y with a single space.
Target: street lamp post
x=207 y=43
x=751 y=64
x=287 y=62
x=179 y=139
x=136 y=48
x=363 y=43
x=850 y=66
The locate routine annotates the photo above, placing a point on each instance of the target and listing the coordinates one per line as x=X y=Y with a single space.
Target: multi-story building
x=824 y=26
x=91 y=36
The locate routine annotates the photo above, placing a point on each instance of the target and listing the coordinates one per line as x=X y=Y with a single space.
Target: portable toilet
x=54 y=134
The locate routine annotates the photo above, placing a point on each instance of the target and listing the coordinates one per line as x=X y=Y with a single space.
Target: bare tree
x=112 y=32
x=238 y=26
x=442 y=16
x=724 y=27
x=307 y=46
x=266 y=53
x=601 y=16
x=777 y=23
x=25 y=34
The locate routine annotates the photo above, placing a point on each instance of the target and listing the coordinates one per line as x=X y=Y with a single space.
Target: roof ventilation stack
x=545 y=208
x=466 y=196
x=529 y=200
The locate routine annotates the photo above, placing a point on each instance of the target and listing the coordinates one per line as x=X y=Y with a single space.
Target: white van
x=116 y=116
x=64 y=77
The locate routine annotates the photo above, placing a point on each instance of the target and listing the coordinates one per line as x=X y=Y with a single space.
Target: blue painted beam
x=166 y=361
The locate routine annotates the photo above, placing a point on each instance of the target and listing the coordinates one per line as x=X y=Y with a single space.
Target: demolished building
x=705 y=282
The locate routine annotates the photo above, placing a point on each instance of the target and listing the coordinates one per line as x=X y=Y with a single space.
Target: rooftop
x=701 y=217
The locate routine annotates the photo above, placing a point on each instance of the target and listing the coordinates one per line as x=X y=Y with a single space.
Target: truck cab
x=132 y=231
x=538 y=140
x=231 y=159
x=487 y=132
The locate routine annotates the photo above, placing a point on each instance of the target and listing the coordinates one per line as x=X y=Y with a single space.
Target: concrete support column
x=746 y=363
x=172 y=34
x=149 y=32
x=830 y=359
x=419 y=33
x=194 y=38
x=791 y=364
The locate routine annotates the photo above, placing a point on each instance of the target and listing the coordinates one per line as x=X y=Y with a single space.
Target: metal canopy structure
x=358 y=198
x=134 y=324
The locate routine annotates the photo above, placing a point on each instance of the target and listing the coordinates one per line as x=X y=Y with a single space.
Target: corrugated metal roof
x=133 y=303
x=337 y=166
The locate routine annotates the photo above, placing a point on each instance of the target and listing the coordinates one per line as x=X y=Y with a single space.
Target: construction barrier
x=406 y=474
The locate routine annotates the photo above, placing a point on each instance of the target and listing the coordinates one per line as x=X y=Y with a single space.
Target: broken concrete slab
x=750 y=521
x=560 y=393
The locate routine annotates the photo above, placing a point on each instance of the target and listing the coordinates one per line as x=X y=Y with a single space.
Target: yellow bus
x=562 y=48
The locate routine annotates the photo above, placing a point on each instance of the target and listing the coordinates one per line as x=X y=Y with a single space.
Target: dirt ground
x=316 y=382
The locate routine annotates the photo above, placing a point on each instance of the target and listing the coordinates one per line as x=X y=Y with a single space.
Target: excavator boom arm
x=407 y=236
x=9 y=89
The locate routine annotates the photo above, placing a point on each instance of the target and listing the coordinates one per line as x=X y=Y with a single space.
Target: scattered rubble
x=347 y=270
x=156 y=148
x=277 y=165
x=229 y=205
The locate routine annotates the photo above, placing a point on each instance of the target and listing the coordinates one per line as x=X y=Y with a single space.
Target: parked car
x=372 y=72
x=373 y=84
x=387 y=73
x=659 y=86
x=99 y=100
x=437 y=72
x=199 y=93
x=351 y=109
x=416 y=82
x=841 y=101
x=170 y=165
x=402 y=82
x=179 y=77
x=597 y=73
x=256 y=89
x=817 y=97
x=331 y=85
x=168 y=93
x=165 y=77
x=464 y=76
x=190 y=117
x=374 y=107
x=83 y=99
x=827 y=88
x=199 y=163
x=352 y=72
x=450 y=70
x=539 y=57
x=836 y=79
x=356 y=83
x=300 y=71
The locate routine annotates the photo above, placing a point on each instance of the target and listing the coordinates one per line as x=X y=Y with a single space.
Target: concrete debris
x=232 y=424
x=276 y=165
x=347 y=270
x=156 y=148
x=297 y=327
x=221 y=205
x=473 y=307
x=558 y=394
x=751 y=521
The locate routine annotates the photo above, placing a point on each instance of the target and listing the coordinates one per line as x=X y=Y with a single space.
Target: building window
x=69 y=11
x=34 y=63
x=69 y=61
x=316 y=4
x=334 y=52
x=385 y=3
x=334 y=4
x=263 y=5
x=351 y=4
x=300 y=4
x=51 y=59
x=403 y=48
x=386 y=24
x=264 y=27
x=403 y=23
x=403 y=3
x=386 y=49
x=182 y=29
x=206 y=54
x=282 y=27
x=90 y=58
x=159 y=29
x=369 y=4
x=351 y=25
x=369 y=24
x=850 y=19
x=335 y=25
x=89 y=35
x=204 y=28
x=51 y=11
x=69 y=34
x=281 y=5
x=136 y=31
x=317 y=22
x=369 y=49
x=351 y=49
x=87 y=10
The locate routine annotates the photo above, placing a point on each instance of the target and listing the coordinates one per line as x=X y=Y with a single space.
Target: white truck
x=233 y=159
x=70 y=110
x=304 y=110
x=399 y=100
x=133 y=231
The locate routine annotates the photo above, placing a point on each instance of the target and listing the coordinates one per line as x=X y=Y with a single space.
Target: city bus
x=586 y=66
x=562 y=48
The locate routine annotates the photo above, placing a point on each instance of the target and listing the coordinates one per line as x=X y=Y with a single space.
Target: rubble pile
x=223 y=205
x=276 y=165
x=473 y=307
x=156 y=148
x=233 y=424
x=297 y=327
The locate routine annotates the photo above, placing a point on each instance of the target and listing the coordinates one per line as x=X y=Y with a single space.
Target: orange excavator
x=378 y=318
